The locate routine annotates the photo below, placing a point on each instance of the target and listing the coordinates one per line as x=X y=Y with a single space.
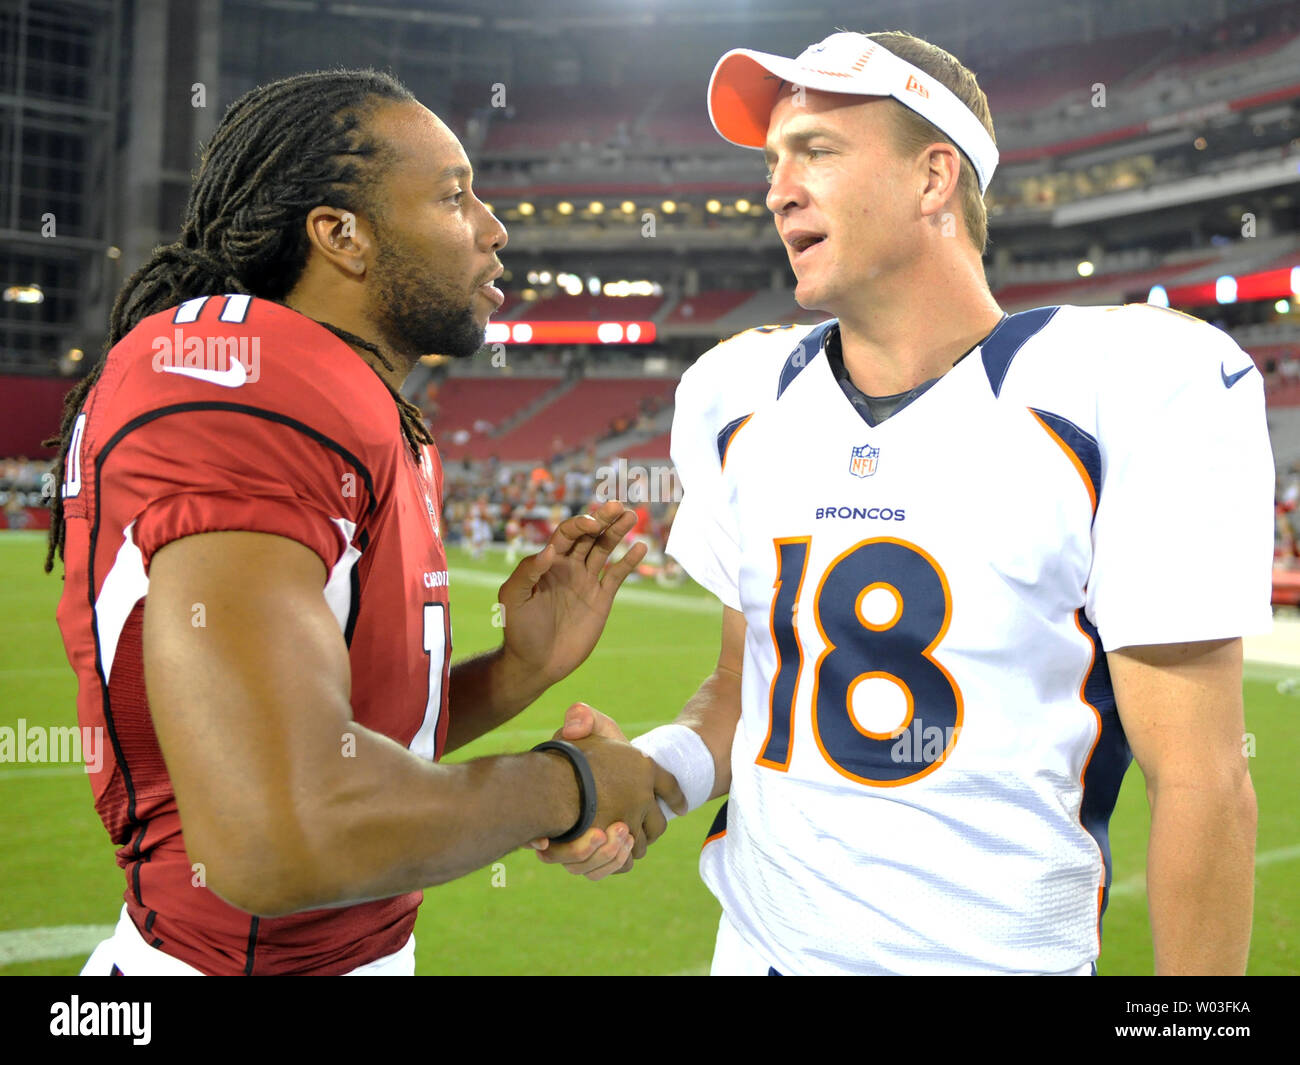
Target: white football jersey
x=929 y=751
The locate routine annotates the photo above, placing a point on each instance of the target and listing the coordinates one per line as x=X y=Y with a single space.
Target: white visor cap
x=745 y=85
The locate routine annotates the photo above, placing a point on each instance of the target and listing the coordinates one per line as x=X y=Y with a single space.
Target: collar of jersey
x=859 y=400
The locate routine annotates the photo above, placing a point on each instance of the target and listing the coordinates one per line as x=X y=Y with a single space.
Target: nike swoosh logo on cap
x=233 y=377
x=1231 y=379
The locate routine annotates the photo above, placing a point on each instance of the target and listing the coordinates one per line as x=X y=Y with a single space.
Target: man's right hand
x=599 y=852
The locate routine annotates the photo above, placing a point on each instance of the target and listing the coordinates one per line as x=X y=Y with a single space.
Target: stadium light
x=544 y=277
x=627 y=207
x=593 y=285
x=564 y=207
x=713 y=206
x=1282 y=306
x=526 y=208
x=532 y=277
x=1225 y=289
x=743 y=206
x=668 y=206
x=1158 y=296
x=1085 y=268
x=24 y=294
x=596 y=207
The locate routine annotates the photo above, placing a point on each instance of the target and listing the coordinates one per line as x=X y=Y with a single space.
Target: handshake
x=628 y=787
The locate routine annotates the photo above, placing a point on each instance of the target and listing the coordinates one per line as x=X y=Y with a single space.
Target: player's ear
x=939 y=170
x=341 y=237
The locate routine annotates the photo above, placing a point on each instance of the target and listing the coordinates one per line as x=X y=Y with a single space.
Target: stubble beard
x=421 y=314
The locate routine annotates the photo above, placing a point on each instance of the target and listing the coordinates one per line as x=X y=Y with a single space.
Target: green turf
x=58 y=866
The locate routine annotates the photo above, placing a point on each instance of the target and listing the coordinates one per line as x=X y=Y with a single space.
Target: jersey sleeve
x=205 y=471
x=703 y=538
x=1183 y=536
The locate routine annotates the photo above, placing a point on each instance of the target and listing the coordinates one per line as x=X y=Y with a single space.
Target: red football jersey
x=235 y=413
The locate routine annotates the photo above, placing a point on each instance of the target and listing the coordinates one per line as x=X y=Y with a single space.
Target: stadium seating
x=576 y=418
x=1053 y=72
x=1016 y=297
x=654 y=449
x=465 y=401
x=544 y=118
x=592 y=308
x=707 y=307
x=1286 y=587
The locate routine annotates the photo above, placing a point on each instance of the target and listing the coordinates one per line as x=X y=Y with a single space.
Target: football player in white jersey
x=951 y=617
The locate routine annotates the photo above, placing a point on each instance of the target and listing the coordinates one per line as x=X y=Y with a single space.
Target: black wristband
x=586 y=787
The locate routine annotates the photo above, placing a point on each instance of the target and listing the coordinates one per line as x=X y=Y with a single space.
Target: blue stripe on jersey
x=728 y=431
x=803 y=354
x=1083 y=444
x=1010 y=337
x=1110 y=757
x=719 y=822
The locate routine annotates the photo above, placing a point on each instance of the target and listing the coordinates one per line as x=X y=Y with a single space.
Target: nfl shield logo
x=863 y=461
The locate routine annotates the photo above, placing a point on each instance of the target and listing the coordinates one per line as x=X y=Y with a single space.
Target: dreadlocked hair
x=281 y=149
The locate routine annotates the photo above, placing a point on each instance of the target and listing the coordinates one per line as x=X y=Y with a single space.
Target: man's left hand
x=557 y=601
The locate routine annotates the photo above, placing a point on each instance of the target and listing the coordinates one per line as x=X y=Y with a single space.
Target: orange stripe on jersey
x=731 y=439
x=715 y=836
x=1074 y=460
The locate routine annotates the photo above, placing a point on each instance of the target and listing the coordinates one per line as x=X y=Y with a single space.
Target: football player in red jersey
x=256 y=596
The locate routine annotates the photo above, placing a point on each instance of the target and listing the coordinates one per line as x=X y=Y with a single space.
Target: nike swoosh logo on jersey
x=1230 y=380
x=233 y=377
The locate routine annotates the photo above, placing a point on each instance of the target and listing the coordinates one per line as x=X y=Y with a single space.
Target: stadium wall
x=30 y=408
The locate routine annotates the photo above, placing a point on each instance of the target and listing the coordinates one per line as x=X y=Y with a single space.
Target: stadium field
x=60 y=887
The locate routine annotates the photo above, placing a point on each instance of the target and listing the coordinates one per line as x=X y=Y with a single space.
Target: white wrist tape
x=682 y=752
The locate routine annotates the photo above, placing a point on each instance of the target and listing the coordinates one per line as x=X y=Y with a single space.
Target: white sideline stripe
x=62 y=771
x=1137 y=883
x=46 y=944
